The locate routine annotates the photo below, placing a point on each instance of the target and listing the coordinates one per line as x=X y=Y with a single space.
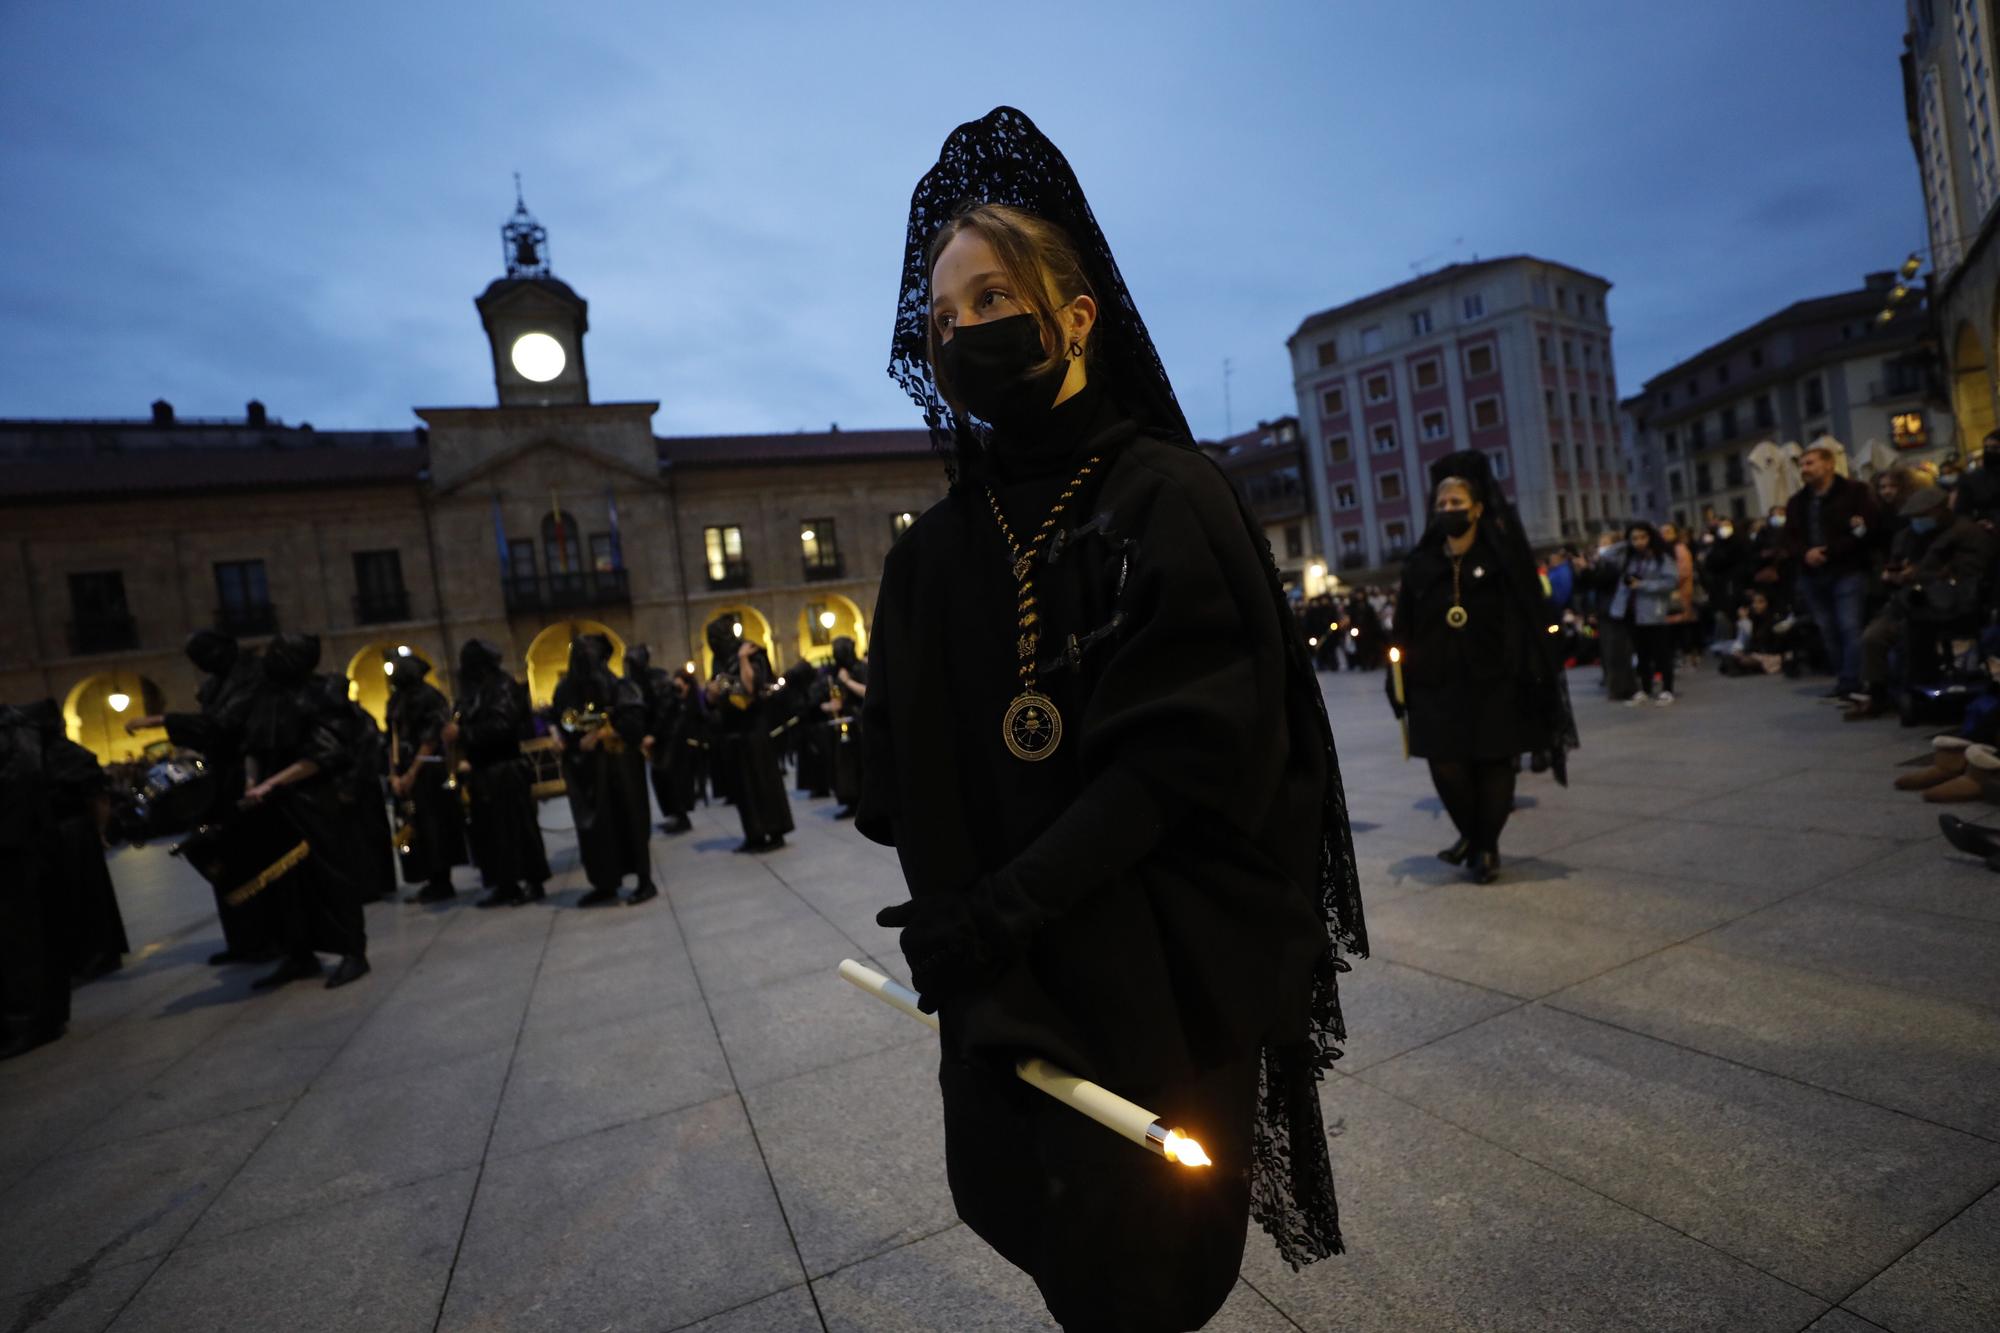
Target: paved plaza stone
x=1720 y=1052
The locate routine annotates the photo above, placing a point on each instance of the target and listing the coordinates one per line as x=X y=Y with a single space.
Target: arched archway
x=1971 y=387
x=755 y=628
x=548 y=656
x=368 y=675
x=97 y=708
x=826 y=618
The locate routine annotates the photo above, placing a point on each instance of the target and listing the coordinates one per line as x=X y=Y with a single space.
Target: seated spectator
x=1758 y=649
x=1938 y=573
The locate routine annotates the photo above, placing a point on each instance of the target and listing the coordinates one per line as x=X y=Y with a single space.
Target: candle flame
x=1395 y=654
x=1182 y=1149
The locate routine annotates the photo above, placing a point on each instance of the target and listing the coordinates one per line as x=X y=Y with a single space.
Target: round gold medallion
x=1456 y=617
x=1032 y=727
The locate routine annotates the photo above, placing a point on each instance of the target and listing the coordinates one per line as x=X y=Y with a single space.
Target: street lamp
x=826 y=619
x=119 y=701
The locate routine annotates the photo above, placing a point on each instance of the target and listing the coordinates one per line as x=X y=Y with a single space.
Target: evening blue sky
x=213 y=201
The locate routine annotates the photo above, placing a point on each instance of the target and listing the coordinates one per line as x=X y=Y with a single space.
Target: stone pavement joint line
x=1715 y=1054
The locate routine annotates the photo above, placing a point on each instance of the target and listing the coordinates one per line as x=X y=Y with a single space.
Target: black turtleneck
x=1028 y=470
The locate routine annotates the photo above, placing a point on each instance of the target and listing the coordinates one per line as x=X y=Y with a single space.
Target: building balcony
x=825 y=568
x=727 y=575
x=381 y=606
x=567 y=592
x=105 y=632
x=247 y=618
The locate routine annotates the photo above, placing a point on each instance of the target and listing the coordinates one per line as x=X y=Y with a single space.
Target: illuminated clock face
x=538 y=357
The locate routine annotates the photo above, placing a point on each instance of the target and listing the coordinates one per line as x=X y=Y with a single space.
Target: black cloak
x=505 y=827
x=300 y=715
x=745 y=716
x=1494 y=688
x=1184 y=855
x=433 y=811
x=607 y=785
x=34 y=984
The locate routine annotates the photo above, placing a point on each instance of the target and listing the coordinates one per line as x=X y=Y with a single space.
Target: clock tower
x=534 y=322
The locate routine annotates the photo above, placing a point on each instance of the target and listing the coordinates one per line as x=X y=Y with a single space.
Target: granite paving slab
x=1675 y=848
x=85 y=1301
x=1924 y=1055
x=1815 y=1188
x=1499 y=946
x=1950 y=958
x=1948 y=1284
x=1390 y=1008
x=370 y=1265
x=644 y=1227
x=1927 y=876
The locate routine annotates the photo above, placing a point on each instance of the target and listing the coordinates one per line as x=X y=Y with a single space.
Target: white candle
x=1125 y=1118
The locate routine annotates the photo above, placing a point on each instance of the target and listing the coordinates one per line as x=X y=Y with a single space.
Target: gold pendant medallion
x=1456 y=617
x=1032 y=727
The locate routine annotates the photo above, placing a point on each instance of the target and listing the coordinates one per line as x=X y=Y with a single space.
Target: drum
x=255 y=849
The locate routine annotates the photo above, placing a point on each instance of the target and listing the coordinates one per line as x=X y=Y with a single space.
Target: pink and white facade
x=1511 y=356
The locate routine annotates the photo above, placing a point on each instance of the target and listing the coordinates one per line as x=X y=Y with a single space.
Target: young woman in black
x=1101 y=755
x=1482 y=685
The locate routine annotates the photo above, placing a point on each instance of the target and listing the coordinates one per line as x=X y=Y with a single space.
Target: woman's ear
x=1079 y=317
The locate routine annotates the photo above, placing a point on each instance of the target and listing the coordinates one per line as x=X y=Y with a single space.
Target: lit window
x=1908 y=431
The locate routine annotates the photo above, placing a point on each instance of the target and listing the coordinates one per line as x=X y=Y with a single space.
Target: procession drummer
x=1106 y=768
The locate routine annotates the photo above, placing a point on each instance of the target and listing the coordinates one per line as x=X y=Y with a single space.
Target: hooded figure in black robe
x=847 y=689
x=215 y=732
x=506 y=830
x=601 y=727
x=91 y=925
x=34 y=981
x=1156 y=897
x=680 y=731
x=298 y=742
x=747 y=708
x=427 y=799
x=1483 y=683
x=656 y=688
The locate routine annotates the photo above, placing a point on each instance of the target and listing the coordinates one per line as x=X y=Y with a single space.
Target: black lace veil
x=1002 y=158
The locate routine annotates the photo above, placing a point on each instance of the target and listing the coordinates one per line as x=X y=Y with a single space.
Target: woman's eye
x=986 y=298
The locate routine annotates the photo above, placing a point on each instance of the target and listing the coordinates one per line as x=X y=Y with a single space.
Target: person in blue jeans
x=1826 y=534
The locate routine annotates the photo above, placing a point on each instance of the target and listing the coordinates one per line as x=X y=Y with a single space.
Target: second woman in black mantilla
x=1482 y=684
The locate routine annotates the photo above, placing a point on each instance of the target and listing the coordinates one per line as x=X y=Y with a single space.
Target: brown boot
x=1953 y=791
x=1945 y=764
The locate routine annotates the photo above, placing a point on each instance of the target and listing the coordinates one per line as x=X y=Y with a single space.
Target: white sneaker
x=1663 y=698
x=1635 y=701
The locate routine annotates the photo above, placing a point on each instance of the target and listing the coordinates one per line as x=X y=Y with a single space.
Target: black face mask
x=1454 y=522
x=987 y=365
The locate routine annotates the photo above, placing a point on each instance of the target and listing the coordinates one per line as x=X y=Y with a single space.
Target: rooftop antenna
x=1418 y=266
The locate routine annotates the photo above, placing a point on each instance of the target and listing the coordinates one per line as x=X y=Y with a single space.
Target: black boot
x=770 y=844
x=298 y=967
x=534 y=893
x=351 y=967
x=1483 y=867
x=505 y=895
x=1969 y=838
x=645 y=893
x=1456 y=853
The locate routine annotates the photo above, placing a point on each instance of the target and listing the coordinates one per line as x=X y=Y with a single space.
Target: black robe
x=745 y=719
x=365 y=805
x=215 y=732
x=318 y=911
x=1466 y=690
x=678 y=743
x=1172 y=837
x=92 y=926
x=607 y=785
x=34 y=977
x=505 y=826
x=433 y=810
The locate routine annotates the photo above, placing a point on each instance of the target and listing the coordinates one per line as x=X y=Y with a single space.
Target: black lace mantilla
x=1003 y=158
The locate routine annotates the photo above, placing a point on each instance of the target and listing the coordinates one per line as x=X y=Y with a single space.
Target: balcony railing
x=826 y=567
x=104 y=632
x=381 y=605
x=729 y=574
x=247 y=618
x=559 y=592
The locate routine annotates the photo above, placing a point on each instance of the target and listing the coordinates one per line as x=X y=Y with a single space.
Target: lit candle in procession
x=1124 y=1118
x=1396 y=679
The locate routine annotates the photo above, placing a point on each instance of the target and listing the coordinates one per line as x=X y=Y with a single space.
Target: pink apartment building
x=1511 y=356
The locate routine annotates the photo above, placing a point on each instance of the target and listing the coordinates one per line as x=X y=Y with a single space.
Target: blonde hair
x=1041 y=263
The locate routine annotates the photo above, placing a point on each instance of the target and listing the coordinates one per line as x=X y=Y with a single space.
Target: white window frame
x=1352 y=499
x=1437 y=365
x=1375 y=445
x=1387 y=474
x=1492 y=355
x=1443 y=421
x=1499 y=421
x=1420 y=322
x=1392 y=545
x=1474 y=306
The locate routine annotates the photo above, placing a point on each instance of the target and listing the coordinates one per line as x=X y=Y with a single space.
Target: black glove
x=959 y=943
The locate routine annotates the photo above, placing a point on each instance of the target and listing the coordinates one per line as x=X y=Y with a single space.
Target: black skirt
x=1470 y=719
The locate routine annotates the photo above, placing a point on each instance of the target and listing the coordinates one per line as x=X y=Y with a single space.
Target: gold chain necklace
x=1456 y=617
x=1032 y=728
